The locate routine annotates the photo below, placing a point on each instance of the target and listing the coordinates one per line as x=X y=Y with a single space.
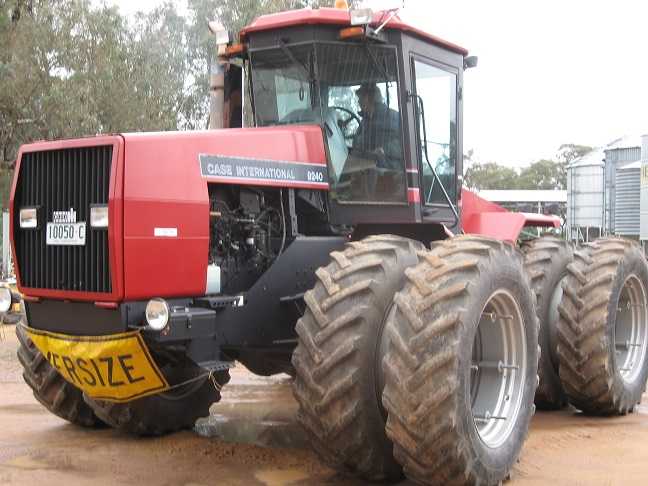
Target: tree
x=543 y=174
x=490 y=175
x=569 y=152
x=70 y=69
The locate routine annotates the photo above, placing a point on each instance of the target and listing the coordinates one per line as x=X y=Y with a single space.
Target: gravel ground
x=564 y=448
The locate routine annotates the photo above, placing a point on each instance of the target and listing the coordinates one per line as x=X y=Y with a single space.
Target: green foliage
x=543 y=174
x=72 y=69
x=490 y=175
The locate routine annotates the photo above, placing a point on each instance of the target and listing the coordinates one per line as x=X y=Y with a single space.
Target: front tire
x=50 y=388
x=461 y=366
x=166 y=412
x=337 y=380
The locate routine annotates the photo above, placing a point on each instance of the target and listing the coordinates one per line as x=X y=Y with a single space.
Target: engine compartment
x=249 y=227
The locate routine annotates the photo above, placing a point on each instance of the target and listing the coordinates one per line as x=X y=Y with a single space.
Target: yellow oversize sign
x=116 y=367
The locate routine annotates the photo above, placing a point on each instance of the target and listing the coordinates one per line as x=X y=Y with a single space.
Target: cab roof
x=341 y=17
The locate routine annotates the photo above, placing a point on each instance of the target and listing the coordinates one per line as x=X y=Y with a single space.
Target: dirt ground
x=564 y=448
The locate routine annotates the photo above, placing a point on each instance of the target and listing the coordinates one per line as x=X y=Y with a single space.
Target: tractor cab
x=387 y=98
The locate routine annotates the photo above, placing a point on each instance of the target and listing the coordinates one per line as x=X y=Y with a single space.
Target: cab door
x=369 y=159
x=435 y=78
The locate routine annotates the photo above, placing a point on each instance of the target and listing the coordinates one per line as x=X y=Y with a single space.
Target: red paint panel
x=336 y=16
x=164 y=189
x=541 y=220
x=500 y=226
x=156 y=183
x=115 y=216
x=482 y=217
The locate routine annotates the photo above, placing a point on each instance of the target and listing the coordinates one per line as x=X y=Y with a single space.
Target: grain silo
x=617 y=154
x=585 y=196
x=627 y=197
x=644 y=189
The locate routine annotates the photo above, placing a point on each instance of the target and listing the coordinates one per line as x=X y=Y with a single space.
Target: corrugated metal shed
x=629 y=141
x=626 y=208
x=617 y=154
x=643 y=213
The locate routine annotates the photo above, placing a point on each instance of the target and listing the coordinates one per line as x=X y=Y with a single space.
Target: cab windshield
x=351 y=90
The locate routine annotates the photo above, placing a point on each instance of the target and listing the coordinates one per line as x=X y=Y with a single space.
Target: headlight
x=29 y=218
x=157 y=314
x=5 y=299
x=99 y=216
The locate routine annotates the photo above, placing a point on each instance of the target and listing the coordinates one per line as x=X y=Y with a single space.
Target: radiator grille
x=57 y=180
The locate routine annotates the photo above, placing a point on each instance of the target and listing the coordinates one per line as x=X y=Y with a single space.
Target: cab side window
x=437 y=130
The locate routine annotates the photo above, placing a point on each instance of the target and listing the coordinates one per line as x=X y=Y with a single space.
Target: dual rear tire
x=603 y=328
x=545 y=261
x=593 y=311
x=420 y=360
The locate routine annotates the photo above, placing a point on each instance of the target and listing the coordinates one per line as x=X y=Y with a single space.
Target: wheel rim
x=631 y=330
x=498 y=370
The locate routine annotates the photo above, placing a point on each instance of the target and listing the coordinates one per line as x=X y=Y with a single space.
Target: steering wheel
x=343 y=124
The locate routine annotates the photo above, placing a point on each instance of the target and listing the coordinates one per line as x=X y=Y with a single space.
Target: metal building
x=585 y=196
x=626 y=201
x=617 y=154
x=643 y=213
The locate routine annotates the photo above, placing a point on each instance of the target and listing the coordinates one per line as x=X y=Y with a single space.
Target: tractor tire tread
x=545 y=259
x=586 y=372
x=50 y=388
x=155 y=416
x=421 y=385
x=331 y=369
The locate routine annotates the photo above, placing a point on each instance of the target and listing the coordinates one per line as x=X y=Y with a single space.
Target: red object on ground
x=341 y=17
x=482 y=217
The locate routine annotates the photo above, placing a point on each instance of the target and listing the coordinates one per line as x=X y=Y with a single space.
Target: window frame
x=414 y=58
x=252 y=90
x=400 y=87
x=402 y=106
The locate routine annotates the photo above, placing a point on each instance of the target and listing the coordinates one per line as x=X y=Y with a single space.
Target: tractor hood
x=166 y=204
x=155 y=188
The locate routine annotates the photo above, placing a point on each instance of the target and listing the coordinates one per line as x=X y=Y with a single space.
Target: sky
x=550 y=72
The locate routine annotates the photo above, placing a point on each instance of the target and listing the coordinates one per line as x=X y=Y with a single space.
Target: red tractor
x=321 y=243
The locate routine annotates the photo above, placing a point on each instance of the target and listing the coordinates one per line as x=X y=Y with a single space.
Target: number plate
x=66 y=234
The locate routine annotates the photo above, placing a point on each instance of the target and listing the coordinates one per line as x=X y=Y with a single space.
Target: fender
x=482 y=217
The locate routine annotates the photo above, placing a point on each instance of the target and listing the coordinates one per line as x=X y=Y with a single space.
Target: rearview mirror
x=470 y=62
